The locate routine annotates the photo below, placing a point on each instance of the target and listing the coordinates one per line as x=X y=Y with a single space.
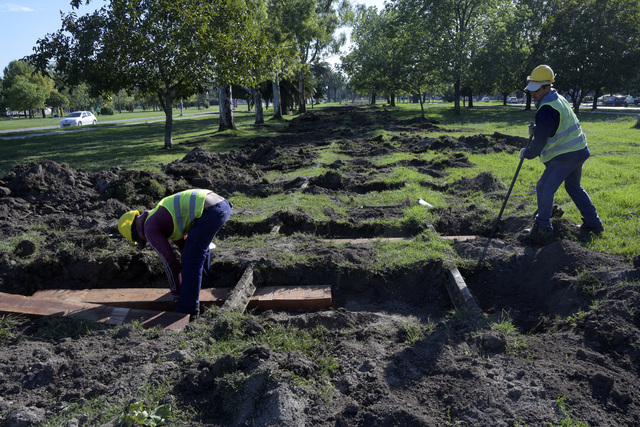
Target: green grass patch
x=517 y=344
x=609 y=175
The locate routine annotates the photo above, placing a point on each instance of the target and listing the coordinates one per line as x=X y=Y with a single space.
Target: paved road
x=121 y=122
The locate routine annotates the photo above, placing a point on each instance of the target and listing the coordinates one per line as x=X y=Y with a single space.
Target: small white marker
x=425 y=203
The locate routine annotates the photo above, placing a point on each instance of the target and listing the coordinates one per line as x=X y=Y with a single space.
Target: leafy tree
x=24 y=95
x=594 y=44
x=365 y=64
x=122 y=100
x=453 y=28
x=500 y=63
x=315 y=38
x=80 y=98
x=171 y=48
x=412 y=59
x=321 y=75
x=24 y=90
x=58 y=101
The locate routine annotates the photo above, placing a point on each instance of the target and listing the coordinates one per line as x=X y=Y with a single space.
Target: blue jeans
x=565 y=168
x=196 y=255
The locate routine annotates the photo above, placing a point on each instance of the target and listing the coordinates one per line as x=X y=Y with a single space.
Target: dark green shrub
x=106 y=111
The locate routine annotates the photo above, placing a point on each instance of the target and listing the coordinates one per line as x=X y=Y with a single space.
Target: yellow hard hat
x=540 y=76
x=542 y=73
x=124 y=225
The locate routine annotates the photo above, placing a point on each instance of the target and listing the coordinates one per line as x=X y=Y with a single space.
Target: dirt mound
x=556 y=341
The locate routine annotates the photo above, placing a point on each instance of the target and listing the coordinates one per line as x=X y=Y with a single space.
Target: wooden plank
x=265 y=298
x=38 y=307
x=366 y=240
x=239 y=297
x=143 y=298
x=392 y=239
x=291 y=297
x=459 y=293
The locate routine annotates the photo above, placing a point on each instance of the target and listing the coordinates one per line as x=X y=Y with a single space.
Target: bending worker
x=562 y=146
x=190 y=219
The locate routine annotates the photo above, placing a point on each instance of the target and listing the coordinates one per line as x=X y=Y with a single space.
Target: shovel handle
x=513 y=181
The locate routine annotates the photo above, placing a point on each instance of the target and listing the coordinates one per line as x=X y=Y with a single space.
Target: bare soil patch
x=577 y=327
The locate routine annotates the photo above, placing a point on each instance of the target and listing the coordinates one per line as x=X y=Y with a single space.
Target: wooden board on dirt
x=38 y=306
x=265 y=298
x=392 y=239
x=367 y=240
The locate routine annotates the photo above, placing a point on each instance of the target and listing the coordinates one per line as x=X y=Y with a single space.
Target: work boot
x=539 y=235
x=586 y=228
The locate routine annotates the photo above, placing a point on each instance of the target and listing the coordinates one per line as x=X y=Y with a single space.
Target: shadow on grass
x=139 y=145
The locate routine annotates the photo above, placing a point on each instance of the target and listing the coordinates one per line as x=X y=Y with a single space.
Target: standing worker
x=190 y=219
x=562 y=146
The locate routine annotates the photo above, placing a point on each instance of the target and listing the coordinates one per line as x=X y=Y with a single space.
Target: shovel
x=495 y=226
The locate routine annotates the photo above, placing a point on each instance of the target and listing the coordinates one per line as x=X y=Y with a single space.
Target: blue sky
x=23 y=22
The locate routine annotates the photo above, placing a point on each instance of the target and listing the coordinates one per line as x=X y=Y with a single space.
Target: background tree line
x=162 y=52
x=490 y=46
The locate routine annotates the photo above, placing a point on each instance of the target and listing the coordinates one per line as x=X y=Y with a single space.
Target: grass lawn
x=610 y=175
x=16 y=123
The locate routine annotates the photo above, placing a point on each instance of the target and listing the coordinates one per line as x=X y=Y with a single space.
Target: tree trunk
x=456 y=100
x=596 y=94
x=373 y=98
x=277 y=104
x=393 y=99
x=257 y=101
x=302 y=108
x=470 y=98
x=166 y=102
x=226 y=112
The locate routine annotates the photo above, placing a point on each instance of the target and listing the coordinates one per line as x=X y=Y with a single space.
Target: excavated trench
x=572 y=308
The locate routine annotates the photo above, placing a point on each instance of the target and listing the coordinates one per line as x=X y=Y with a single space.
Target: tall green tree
x=26 y=96
x=453 y=28
x=592 y=45
x=501 y=62
x=172 y=48
x=25 y=90
x=370 y=54
x=316 y=38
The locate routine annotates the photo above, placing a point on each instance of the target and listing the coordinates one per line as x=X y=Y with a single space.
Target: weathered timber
x=239 y=297
x=391 y=239
x=39 y=307
x=265 y=297
x=459 y=293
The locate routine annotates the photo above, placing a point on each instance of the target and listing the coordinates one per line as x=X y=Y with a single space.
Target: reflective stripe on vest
x=184 y=208
x=569 y=136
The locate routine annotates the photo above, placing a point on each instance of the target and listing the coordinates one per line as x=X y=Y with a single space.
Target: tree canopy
x=171 y=48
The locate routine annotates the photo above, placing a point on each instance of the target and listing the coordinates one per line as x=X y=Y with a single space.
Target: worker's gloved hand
x=532 y=128
x=521 y=155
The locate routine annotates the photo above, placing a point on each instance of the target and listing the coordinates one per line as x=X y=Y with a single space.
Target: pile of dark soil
x=567 y=350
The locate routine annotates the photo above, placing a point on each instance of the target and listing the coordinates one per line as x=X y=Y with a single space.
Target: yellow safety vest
x=569 y=136
x=184 y=208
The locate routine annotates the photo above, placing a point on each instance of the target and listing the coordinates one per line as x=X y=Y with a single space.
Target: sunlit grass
x=610 y=176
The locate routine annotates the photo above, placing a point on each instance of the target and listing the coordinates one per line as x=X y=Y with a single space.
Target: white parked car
x=79 y=118
x=485 y=99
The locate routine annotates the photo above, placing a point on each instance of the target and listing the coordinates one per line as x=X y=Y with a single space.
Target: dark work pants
x=195 y=255
x=565 y=168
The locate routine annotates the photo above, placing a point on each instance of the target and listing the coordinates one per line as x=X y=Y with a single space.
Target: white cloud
x=12 y=7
